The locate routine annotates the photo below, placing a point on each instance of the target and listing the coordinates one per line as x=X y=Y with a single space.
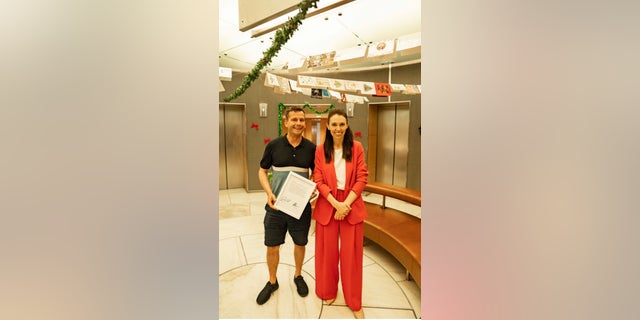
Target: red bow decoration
x=254 y=125
x=266 y=140
x=358 y=134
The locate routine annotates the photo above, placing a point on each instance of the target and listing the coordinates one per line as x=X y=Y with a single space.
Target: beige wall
x=268 y=127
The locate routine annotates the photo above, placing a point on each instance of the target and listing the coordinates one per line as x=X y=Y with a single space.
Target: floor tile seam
x=244 y=252
x=311 y=276
x=367 y=307
x=388 y=308
x=399 y=287
x=239 y=236
x=257 y=263
x=415 y=316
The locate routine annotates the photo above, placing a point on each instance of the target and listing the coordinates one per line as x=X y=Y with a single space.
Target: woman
x=340 y=174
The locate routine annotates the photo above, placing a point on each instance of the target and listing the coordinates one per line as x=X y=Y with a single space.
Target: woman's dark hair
x=347 y=142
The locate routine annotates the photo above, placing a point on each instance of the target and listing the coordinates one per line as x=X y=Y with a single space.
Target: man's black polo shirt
x=282 y=157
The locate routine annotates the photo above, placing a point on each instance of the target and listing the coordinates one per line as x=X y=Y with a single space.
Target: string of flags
x=343 y=90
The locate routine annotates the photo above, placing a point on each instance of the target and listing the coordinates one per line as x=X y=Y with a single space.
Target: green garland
x=281 y=107
x=282 y=36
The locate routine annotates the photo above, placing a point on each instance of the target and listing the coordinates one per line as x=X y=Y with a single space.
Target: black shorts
x=276 y=224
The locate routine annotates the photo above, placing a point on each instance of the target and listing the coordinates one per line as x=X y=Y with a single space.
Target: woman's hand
x=342 y=210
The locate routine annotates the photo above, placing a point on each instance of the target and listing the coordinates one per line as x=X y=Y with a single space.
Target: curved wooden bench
x=397 y=232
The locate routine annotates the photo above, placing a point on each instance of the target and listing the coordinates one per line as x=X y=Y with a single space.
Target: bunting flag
x=322 y=60
x=382 y=89
x=323 y=82
x=334 y=94
x=337 y=88
x=296 y=64
x=283 y=86
x=367 y=88
x=412 y=89
x=336 y=84
x=351 y=86
x=381 y=48
x=294 y=86
x=271 y=80
x=354 y=98
x=224 y=74
x=409 y=44
x=306 y=81
x=351 y=54
x=401 y=46
x=397 y=87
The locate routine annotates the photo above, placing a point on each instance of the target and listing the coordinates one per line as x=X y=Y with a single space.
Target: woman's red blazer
x=324 y=175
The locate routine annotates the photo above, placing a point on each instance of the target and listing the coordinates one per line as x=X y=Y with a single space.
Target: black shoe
x=303 y=290
x=266 y=292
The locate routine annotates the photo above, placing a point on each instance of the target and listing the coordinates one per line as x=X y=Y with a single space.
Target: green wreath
x=282 y=36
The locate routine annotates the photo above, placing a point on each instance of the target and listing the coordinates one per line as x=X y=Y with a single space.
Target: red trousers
x=339 y=243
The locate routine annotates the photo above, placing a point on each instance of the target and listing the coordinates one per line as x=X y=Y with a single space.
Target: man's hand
x=271 y=199
x=314 y=195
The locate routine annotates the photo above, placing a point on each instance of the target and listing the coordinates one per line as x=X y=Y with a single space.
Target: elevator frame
x=245 y=177
x=372 y=134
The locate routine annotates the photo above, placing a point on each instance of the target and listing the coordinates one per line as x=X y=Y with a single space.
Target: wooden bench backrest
x=400 y=193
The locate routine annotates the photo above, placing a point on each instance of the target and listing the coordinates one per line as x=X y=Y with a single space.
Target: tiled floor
x=243 y=270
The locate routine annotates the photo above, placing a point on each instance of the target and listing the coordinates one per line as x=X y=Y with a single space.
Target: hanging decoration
x=266 y=140
x=254 y=125
x=281 y=37
x=281 y=108
x=358 y=134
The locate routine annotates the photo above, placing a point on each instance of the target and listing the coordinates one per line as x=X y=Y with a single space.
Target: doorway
x=389 y=142
x=232 y=146
x=315 y=123
x=315 y=129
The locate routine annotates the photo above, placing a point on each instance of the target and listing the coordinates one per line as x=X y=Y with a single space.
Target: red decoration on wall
x=254 y=125
x=382 y=89
x=358 y=134
x=266 y=140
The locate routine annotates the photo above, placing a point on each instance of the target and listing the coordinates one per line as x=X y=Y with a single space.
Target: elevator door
x=231 y=146
x=393 y=144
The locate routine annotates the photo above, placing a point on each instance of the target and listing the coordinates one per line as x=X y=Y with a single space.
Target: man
x=291 y=152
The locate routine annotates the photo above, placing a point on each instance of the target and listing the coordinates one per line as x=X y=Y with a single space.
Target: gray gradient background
x=108 y=134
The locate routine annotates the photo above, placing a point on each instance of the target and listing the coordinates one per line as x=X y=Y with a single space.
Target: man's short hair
x=292 y=109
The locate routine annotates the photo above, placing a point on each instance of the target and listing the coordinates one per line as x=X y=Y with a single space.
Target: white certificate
x=294 y=195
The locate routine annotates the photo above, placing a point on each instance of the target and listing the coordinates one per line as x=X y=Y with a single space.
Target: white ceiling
x=361 y=22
